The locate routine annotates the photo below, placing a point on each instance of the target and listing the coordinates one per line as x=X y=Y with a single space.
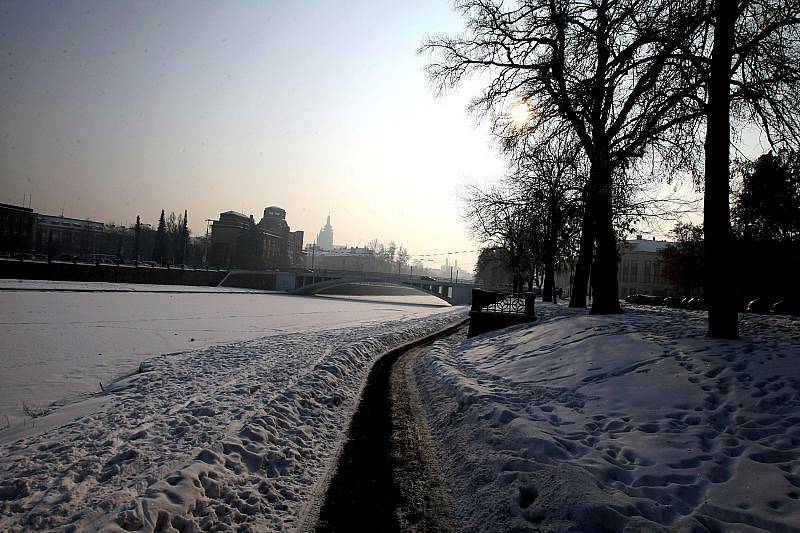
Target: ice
x=60 y=346
x=624 y=422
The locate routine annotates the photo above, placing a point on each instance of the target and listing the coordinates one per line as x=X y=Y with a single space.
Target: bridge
x=450 y=291
x=321 y=281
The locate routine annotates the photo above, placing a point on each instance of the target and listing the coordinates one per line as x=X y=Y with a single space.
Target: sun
x=520 y=114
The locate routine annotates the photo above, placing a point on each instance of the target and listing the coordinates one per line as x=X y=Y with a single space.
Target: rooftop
x=645 y=245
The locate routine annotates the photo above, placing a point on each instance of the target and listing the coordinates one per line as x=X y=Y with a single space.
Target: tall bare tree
x=547 y=179
x=607 y=71
x=747 y=55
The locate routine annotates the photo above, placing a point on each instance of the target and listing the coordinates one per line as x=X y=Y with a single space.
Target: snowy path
x=233 y=436
x=612 y=422
x=58 y=346
x=387 y=478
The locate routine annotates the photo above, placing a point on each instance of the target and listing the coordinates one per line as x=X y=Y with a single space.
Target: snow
x=239 y=436
x=101 y=286
x=60 y=346
x=627 y=422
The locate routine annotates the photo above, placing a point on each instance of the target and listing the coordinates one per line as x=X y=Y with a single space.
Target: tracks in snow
x=387 y=476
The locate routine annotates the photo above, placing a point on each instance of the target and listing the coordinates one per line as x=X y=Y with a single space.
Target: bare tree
x=402 y=256
x=747 y=55
x=607 y=71
x=497 y=218
x=548 y=181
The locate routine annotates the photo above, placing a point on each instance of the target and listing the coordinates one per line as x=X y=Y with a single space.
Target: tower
x=325 y=236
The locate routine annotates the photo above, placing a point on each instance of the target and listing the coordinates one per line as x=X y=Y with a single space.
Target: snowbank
x=239 y=436
x=633 y=422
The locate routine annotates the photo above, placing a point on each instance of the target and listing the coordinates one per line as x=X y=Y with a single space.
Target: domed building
x=238 y=242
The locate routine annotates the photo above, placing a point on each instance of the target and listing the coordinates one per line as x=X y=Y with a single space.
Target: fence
x=492 y=310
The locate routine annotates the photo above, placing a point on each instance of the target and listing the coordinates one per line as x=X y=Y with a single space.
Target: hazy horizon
x=113 y=110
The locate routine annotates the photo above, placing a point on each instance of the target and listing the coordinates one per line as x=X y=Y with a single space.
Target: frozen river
x=59 y=346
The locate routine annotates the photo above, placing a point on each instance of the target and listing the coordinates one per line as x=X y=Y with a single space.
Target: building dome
x=274 y=220
x=274 y=211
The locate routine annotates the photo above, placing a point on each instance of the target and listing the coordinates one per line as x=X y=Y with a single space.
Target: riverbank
x=61 y=346
x=625 y=422
x=238 y=436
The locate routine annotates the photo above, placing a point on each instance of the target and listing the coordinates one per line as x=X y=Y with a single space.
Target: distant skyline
x=109 y=110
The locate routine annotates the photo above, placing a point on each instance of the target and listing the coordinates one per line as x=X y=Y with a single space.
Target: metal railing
x=494 y=302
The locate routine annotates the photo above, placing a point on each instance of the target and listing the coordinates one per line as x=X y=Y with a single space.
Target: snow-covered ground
x=239 y=436
x=634 y=422
x=59 y=346
x=101 y=286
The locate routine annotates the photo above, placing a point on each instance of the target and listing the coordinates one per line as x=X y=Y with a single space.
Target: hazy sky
x=113 y=109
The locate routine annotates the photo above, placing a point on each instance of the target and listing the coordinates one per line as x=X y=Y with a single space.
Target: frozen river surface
x=58 y=346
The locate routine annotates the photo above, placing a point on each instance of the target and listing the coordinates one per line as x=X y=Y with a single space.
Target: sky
x=110 y=110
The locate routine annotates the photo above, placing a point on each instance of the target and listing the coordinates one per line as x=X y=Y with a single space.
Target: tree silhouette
x=159 y=247
x=768 y=205
x=182 y=238
x=747 y=58
x=766 y=217
x=603 y=71
x=682 y=262
x=136 y=238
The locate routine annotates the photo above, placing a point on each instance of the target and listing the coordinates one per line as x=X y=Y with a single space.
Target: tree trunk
x=550 y=248
x=580 y=280
x=720 y=291
x=604 y=273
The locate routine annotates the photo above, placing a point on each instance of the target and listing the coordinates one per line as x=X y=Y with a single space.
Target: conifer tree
x=183 y=239
x=161 y=236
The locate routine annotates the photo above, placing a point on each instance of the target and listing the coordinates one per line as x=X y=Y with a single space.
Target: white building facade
x=639 y=271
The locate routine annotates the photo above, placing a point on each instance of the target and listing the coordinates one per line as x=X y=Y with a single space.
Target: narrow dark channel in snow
x=382 y=482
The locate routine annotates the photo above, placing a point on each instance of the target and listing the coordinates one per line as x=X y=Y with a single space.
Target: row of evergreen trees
x=766 y=223
x=172 y=238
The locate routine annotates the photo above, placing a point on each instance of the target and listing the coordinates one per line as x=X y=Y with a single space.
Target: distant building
x=224 y=235
x=17 y=228
x=639 y=270
x=353 y=259
x=58 y=235
x=325 y=236
x=238 y=242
